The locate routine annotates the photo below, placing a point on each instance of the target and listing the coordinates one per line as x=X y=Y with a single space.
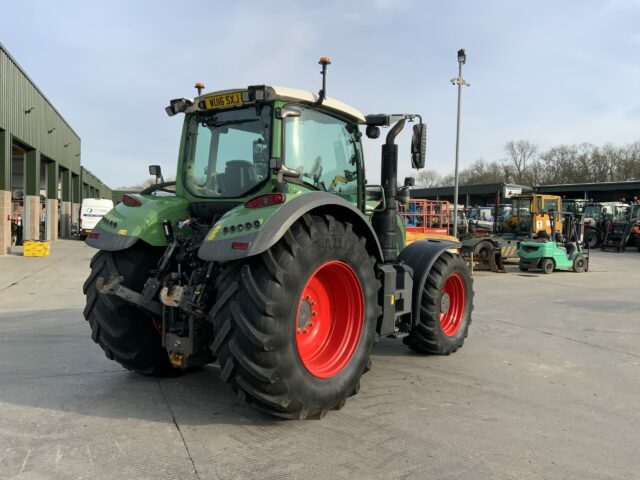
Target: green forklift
x=558 y=252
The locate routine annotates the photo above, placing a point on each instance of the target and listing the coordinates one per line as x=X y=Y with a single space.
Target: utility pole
x=459 y=81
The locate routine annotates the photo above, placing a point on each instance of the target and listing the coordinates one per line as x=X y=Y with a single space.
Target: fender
x=421 y=256
x=219 y=249
x=123 y=226
x=470 y=244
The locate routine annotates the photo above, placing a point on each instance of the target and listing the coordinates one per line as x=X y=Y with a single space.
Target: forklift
x=528 y=215
x=558 y=251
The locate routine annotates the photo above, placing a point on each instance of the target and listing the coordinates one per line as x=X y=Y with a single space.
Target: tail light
x=267 y=200
x=636 y=229
x=130 y=200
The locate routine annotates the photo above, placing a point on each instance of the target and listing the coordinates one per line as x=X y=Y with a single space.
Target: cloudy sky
x=547 y=71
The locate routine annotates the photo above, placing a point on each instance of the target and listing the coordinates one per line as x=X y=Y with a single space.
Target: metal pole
x=459 y=80
x=455 y=181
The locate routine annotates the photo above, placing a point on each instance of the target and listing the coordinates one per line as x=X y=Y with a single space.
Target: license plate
x=226 y=100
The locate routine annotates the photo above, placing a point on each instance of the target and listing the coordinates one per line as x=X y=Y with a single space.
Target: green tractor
x=271 y=255
x=558 y=252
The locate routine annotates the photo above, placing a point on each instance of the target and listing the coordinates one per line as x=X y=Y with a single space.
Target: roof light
x=266 y=200
x=130 y=200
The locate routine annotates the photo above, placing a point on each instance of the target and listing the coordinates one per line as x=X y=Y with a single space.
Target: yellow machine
x=530 y=214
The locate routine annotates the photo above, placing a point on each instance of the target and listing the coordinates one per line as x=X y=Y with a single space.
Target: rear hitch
x=114 y=287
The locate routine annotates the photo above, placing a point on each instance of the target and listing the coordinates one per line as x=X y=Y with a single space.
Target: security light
x=462 y=57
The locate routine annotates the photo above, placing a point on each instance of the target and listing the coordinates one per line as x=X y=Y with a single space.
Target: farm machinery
x=529 y=215
x=272 y=256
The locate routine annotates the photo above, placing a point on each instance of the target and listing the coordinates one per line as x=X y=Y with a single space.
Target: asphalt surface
x=547 y=386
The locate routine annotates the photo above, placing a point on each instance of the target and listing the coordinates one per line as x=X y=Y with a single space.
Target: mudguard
x=421 y=256
x=276 y=222
x=123 y=226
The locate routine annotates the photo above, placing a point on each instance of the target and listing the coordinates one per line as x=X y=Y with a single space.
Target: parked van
x=91 y=211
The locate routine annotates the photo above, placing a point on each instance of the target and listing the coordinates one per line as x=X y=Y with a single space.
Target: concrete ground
x=547 y=386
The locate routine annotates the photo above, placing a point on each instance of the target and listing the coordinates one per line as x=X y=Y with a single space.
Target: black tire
x=126 y=333
x=256 y=320
x=580 y=264
x=547 y=265
x=429 y=335
x=591 y=238
x=523 y=267
x=484 y=250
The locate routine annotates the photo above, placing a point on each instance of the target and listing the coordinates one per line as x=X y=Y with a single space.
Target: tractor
x=272 y=256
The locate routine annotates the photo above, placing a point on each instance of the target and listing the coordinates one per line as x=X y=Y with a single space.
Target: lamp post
x=459 y=81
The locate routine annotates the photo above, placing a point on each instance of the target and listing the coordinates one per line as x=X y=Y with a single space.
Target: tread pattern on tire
x=124 y=332
x=249 y=342
x=426 y=337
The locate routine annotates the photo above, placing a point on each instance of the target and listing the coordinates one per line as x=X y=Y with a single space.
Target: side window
x=323 y=150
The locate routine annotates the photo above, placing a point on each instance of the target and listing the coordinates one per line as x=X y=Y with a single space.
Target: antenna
x=322 y=94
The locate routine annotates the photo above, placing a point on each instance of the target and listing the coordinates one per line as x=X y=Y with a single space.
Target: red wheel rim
x=452 y=304
x=329 y=319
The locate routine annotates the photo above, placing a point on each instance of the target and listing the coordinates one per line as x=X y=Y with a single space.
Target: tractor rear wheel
x=295 y=325
x=547 y=265
x=446 y=305
x=127 y=334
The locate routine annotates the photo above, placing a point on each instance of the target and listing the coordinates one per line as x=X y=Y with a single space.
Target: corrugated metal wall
x=90 y=181
x=17 y=95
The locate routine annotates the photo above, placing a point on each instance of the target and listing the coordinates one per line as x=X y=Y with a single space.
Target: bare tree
x=482 y=171
x=427 y=178
x=520 y=155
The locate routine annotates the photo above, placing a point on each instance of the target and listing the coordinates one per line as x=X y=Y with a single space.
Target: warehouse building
x=41 y=180
x=598 y=192
x=482 y=194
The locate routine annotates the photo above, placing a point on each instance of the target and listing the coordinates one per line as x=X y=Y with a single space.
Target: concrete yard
x=547 y=386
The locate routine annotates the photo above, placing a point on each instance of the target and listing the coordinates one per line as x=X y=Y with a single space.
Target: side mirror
x=373 y=131
x=409 y=182
x=419 y=146
x=156 y=171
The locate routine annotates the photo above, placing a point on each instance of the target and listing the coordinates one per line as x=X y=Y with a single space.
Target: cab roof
x=296 y=95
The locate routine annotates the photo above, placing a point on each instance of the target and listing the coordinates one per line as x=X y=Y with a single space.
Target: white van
x=91 y=211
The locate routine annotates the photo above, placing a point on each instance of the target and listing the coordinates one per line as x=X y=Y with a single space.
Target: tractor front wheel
x=295 y=325
x=446 y=305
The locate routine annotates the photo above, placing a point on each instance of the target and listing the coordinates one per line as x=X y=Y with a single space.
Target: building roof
x=481 y=189
x=593 y=187
x=22 y=70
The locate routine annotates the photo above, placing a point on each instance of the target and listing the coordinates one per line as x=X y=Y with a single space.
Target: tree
x=520 y=155
x=427 y=178
x=482 y=171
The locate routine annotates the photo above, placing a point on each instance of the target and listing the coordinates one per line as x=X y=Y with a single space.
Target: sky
x=546 y=71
